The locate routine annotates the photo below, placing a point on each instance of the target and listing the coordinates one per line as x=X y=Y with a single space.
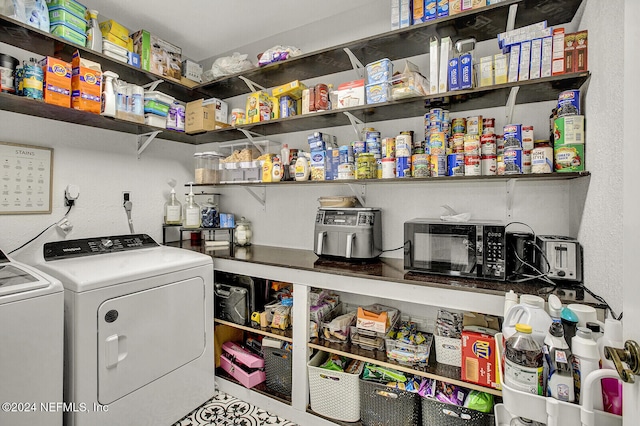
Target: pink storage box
x=242 y=356
x=247 y=378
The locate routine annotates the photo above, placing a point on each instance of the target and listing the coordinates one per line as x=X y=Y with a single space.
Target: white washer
x=139 y=329
x=31 y=336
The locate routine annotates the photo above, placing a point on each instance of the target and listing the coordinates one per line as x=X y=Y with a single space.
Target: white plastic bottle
x=94 y=35
x=611 y=395
x=191 y=211
x=109 y=94
x=302 y=167
x=558 y=359
x=510 y=299
x=585 y=360
x=276 y=170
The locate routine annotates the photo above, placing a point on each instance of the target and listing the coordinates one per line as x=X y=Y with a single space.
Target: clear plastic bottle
x=191 y=211
x=173 y=210
x=94 y=35
x=523 y=362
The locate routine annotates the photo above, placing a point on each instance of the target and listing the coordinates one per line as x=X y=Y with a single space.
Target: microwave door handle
x=320 y=241
x=350 y=238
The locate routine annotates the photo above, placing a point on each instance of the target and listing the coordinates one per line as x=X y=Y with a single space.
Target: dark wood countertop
x=386 y=269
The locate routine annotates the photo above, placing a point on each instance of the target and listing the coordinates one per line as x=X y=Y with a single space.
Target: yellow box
x=115 y=40
x=293 y=89
x=115 y=29
x=258 y=107
x=199 y=118
x=274 y=102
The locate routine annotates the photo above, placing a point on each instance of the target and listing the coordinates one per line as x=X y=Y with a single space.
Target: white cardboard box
x=514 y=63
x=547 y=54
x=192 y=70
x=536 y=58
x=525 y=60
x=443 y=63
x=433 y=65
x=222 y=109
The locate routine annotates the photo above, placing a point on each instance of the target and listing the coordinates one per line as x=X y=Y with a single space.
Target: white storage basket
x=334 y=394
x=448 y=351
x=553 y=412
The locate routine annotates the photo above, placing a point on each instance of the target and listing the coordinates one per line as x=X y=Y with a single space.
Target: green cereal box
x=569 y=158
x=568 y=130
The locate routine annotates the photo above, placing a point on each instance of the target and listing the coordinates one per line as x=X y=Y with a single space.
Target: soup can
x=472 y=165
x=489 y=164
x=459 y=125
x=403 y=145
x=403 y=167
x=474 y=125
x=388 y=148
x=388 y=168
x=438 y=165
x=371 y=133
x=373 y=146
x=471 y=145
x=437 y=143
x=488 y=126
x=457 y=142
x=436 y=115
x=420 y=165
x=526 y=161
x=455 y=164
x=488 y=144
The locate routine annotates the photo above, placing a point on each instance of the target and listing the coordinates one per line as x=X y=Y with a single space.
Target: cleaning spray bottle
x=191 y=210
x=173 y=207
x=109 y=94
x=558 y=356
x=611 y=388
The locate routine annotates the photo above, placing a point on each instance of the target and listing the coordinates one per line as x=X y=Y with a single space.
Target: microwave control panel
x=494 y=252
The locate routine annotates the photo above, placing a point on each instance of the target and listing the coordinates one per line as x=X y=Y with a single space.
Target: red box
x=569 y=52
x=479 y=359
x=580 y=62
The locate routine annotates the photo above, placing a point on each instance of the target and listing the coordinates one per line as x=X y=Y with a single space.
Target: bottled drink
x=523 y=362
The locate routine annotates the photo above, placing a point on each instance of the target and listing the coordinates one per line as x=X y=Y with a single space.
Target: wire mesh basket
x=277 y=367
x=436 y=413
x=381 y=405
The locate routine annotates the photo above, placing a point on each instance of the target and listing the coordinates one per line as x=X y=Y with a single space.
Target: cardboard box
x=351 y=94
x=442 y=9
x=536 y=58
x=455 y=7
x=115 y=40
x=433 y=65
x=557 y=57
x=486 y=71
x=192 y=70
x=580 y=63
x=514 y=63
x=443 y=62
x=115 y=29
x=430 y=10
x=547 y=55
x=221 y=109
x=454 y=77
x=57 y=81
x=199 y=118
x=419 y=11
x=293 y=89
x=86 y=84
x=158 y=56
x=466 y=71
x=500 y=68
x=569 y=52
x=479 y=359
x=406 y=13
x=525 y=60
x=375 y=318
x=258 y=107
x=395 y=14
x=133 y=59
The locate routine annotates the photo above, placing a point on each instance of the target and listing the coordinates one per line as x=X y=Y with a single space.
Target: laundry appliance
x=31 y=339
x=139 y=329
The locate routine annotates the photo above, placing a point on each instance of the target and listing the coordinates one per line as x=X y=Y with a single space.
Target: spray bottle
x=173 y=207
x=94 y=35
x=109 y=94
x=191 y=210
x=611 y=388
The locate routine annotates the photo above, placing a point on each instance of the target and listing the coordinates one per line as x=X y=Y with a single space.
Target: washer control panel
x=99 y=245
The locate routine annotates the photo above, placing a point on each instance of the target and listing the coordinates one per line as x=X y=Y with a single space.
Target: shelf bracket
x=145 y=139
x=511 y=18
x=251 y=84
x=153 y=85
x=511 y=103
x=355 y=121
x=360 y=191
x=511 y=185
x=261 y=198
x=355 y=62
x=249 y=135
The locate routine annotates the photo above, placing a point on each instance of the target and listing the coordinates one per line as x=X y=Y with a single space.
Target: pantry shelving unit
x=284 y=335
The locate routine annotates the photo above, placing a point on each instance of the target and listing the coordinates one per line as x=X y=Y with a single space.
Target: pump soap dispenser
x=173 y=207
x=191 y=211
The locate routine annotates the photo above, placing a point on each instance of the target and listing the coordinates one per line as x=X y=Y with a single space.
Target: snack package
x=479 y=401
x=335 y=363
x=450 y=394
x=382 y=374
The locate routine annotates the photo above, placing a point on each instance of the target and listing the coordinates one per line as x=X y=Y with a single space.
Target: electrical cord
x=44 y=230
x=128 y=205
x=398 y=248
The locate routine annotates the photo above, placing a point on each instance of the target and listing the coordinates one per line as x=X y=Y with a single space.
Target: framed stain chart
x=26 y=177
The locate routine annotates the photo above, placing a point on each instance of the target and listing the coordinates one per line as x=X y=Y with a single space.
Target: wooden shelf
x=285 y=335
x=261 y=388
x=434 y=370
x=482 y=24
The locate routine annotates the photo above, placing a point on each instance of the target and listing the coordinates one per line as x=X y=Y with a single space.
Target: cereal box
x=479 y=359
x=580 y=62
x=57 y=81
x=258 y=107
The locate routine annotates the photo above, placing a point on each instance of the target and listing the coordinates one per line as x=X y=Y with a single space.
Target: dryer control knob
x=106 y=243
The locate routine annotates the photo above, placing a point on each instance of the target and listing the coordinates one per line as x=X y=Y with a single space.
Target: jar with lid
x=207 y=167
x=243 y=233
x=209 y=215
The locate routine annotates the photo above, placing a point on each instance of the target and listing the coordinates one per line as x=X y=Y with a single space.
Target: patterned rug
x=225 y=410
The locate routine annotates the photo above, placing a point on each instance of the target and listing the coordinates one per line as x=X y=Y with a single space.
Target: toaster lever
x=350 y=237
x=320 y=241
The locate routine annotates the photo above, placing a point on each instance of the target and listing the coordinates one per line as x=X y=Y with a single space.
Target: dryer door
x=143 y=336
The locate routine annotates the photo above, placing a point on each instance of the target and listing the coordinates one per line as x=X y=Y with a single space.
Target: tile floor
x=226 y=410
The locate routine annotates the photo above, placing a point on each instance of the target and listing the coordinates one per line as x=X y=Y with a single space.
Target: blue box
x=443 y=8
x=133 y=59
x=454 y=77
x=332 y=163
x=227 y=220
x=377 y=93
x=466 y=71
x=430 y=10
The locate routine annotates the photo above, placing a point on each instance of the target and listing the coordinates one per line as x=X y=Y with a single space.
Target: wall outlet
x=126 y=196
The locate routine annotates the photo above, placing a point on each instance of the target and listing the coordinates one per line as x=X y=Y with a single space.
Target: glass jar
x=209 y=215
x=207 y=167
x=243 y=232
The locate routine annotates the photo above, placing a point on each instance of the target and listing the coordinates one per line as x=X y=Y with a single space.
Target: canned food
x=436 y=115
x=457 y=142
x=499 y=144
x=438 y=165
x=32 y=82
x=488 y=144
x=512 y=159
x=471 y=145
x=472 y=165
x=542 y=159
x=459 y=125
x=527 y=138
x=388 y=148
x=359 y=147
x=445 y=115
x=437 y=143
x=488 y=125
x=371 y=134
x=526 y=162
x=420 y=165
x=403 y=146
x=321 y=92
x=403 y=167
x=489 y=164
x=474 y=125
x=366 y=166
x=388 y=168
x=569 y=103
x=346 y=171
x=455 y=164
x=512 y=136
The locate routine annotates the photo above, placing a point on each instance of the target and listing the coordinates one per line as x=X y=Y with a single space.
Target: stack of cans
x=488 y=148
x=404 y=145
x=437 y=136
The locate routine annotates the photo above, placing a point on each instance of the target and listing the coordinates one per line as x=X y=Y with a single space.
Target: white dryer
x=31 y=336
x=139 y=329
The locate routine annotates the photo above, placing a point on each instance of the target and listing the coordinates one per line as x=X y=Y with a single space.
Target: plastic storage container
x=155 y=121
x=69 y=34
x=437 y=413
x=381 y=405
x=72 y=6
x=207 y=167
x=59 y=15
x=448 y=350
x=277 y=367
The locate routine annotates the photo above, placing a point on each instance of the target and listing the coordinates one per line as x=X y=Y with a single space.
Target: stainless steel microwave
x=474 y=250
